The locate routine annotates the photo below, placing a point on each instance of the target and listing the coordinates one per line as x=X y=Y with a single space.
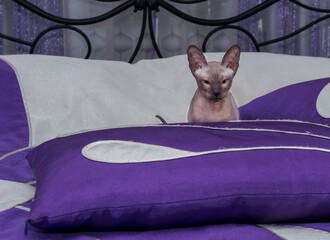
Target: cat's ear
x=196 y=59
x=231 y=58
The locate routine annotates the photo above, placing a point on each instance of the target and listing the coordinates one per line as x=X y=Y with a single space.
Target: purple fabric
x=328 y=48
x=297 y=101
x=250 y=24
x=14 y=168
x=12 y=228
x=21 y=27
x=75 y=193
x=12 y=224
x=315 y=36
x=14 y=130
x=287 y=24
x=288 y=21
x=219 y=232
x=28 y=25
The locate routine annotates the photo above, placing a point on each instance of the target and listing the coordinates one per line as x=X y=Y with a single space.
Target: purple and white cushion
x=253 y=179
x=155 y=177
x=307 y=101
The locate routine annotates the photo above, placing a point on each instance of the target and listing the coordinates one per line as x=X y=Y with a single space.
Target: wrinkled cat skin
x=212 y=101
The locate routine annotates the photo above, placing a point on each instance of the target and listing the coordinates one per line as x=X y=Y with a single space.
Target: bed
x=84 y=157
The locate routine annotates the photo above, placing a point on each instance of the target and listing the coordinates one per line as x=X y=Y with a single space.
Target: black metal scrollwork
x=143 y=4
x=44 y=32
x=148 y=6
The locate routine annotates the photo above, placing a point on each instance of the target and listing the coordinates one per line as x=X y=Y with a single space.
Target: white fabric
x=116 y=151
x=23 y=208
x=130 y=152
x=14 y=193
x=66 y=95
x=323 y=102
x=291 y=232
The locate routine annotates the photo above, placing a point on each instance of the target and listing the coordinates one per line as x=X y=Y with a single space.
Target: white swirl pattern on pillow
x=323 y=102
x=14 y=193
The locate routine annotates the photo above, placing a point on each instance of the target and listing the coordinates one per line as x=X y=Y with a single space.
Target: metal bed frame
x=148 y=6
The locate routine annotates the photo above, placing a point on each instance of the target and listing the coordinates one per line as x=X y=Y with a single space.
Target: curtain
x=251 y=24
x=116 y=38
x=284 y=18
x=20 y=23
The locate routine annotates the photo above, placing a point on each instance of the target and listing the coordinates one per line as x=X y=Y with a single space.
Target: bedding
x=66 y=95
x=100 y=160
x=307 y=101
x=218 y=174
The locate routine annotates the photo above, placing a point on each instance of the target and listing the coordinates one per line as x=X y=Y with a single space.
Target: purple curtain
x=287 y=23
x=250 y=24
x=290 y=17
x=28 y=25
x=315 y=30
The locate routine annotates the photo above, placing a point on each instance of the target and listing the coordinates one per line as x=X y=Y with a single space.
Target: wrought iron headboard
x=147 y=6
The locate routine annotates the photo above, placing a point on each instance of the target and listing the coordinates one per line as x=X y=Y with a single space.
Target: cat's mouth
x=216 y=99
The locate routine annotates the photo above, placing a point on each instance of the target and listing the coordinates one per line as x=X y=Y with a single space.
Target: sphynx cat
x=212 y=101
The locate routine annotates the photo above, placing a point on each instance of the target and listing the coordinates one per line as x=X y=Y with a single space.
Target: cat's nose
x=216 y=94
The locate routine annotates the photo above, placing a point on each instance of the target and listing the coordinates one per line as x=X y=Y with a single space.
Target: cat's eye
x=225 y=81
x=205 y=81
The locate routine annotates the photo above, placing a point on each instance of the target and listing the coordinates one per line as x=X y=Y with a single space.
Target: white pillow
x=66 y=95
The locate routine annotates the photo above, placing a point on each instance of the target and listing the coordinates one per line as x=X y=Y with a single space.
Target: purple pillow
x=295 y=102
x=236 y=172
